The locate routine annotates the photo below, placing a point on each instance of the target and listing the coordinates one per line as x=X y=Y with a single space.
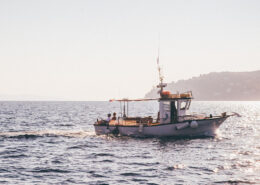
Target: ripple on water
x=49 y=170
x=82 y=147
x=234 y=182
x=131 y=174
x=139 y=180
x=140 y=164
x=16 y=156
x=103 y=155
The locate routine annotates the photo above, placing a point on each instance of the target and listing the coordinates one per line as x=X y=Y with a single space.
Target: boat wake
x=47 y=133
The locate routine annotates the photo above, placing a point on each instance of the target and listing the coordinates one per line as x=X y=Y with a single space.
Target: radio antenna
x=158 y=64
x=161 y=84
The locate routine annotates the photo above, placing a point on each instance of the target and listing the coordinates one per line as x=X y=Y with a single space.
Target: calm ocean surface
x=55 y=143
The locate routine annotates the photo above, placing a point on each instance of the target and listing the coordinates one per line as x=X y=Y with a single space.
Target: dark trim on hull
x=164 y=123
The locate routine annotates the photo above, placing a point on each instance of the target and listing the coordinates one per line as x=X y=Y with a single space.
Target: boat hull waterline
x=201 y=128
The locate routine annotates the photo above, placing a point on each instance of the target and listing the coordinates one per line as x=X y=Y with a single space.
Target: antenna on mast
x=161 y=84
x=158 y=63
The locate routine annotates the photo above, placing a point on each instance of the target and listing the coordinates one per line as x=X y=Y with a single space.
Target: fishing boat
x=173 y=118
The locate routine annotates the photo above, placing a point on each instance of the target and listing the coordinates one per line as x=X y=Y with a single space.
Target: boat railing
x=192 y=117
x=134 y=120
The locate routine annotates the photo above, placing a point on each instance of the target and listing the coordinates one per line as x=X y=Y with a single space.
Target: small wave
x=24 y=136
x=104 y=154
x=139 y=180
x=56 y=162
x=245 y=152
x=94 y=174
x=142 y=164
x=49 y=170
x=107 y=161
x=150 y=169
x=145 y=164
x=65 y=125
x=204 y=169
x=130 y=174
x=3 y=170
x=104 y=161
x=141 y=156
x=234 y=182
x=46 y=133
x=15 y=156
x=97 y=175
x=82 y=147
x=69 y=181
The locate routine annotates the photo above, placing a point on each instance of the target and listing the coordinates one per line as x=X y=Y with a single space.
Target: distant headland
x=218 y=86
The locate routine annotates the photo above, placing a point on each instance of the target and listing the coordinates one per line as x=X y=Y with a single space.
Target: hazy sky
x=102 y=49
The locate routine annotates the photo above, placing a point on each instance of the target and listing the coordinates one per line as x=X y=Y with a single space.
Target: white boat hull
x=198 y=128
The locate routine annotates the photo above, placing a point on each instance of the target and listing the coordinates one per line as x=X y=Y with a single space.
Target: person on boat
x=114 y=116
x=108 y=117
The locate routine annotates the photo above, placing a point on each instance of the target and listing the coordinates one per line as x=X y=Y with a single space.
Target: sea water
x=55 y=143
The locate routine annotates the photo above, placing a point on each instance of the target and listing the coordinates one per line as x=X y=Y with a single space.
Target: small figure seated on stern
x=108 y=117
x=114 y=116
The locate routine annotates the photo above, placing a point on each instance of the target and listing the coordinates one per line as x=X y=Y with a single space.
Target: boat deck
x=136 y=121
x=130 y=123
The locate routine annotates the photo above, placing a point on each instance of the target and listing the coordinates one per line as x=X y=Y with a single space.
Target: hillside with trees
x=218 y=86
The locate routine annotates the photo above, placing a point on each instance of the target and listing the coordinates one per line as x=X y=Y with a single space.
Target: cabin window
x=166 y=106
x=183 y=105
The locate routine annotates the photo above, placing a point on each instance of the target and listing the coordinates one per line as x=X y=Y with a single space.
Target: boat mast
x=161 y=84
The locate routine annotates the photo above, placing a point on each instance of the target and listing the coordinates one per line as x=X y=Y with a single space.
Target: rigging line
x=158 y=61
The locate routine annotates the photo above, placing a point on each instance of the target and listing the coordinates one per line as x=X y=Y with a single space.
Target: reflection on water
x=55 y=143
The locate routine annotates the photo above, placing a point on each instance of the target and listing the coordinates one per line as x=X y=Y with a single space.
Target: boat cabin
x=174 y=107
